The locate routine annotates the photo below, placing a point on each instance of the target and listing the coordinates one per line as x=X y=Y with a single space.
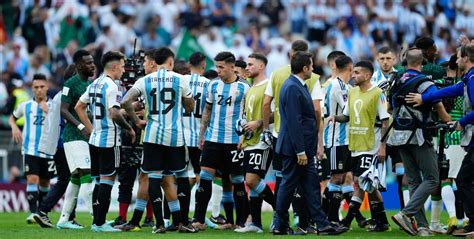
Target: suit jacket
x=298 y=130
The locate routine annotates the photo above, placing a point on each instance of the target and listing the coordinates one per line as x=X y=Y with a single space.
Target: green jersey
x=253 y=110
x=72 y=91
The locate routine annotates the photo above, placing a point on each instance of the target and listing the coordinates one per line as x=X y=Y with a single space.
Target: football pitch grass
x=13 y=226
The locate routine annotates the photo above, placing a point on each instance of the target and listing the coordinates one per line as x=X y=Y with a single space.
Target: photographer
x=414 y=143
x=465 y=177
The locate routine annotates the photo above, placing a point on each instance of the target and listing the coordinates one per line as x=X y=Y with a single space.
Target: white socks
x=70 y=199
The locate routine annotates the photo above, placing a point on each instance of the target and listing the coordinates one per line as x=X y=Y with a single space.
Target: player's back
x=334 y=102
x=227 y=107
x=103 y=94
x=163 y=91
x=192 y=120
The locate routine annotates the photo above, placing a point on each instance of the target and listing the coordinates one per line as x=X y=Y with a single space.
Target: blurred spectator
x=17 y=61
x=15 y=175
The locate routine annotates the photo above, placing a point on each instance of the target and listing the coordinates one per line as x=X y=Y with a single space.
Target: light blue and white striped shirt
x=336 y=134
x=192 y=121
x=35 y=126
x=102 y=95
x=227 y=100
x=163 y=92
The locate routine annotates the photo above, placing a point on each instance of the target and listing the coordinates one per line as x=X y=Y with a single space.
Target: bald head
x=414 y=58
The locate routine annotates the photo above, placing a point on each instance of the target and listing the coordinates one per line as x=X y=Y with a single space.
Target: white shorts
x=77 y=155
x=455 y=154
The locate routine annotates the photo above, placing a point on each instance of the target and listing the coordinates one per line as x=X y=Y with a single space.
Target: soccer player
x=336 y=141
x=366 y=112
x=166 y=93
x=62 y=169
x=76 y=135
x=192 y=121
x=386 y=60
x=102 y=97
x=142 y=201
x=218 y=140
x=39 y=167
x=257 y=154
x=272 y=92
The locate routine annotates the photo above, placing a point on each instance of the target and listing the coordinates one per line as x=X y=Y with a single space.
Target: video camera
x=133 y=68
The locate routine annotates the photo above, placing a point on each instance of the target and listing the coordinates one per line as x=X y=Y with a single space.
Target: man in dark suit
x=297 y=144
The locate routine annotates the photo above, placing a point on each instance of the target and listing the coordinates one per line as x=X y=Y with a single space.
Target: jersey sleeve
x=269 y=89
x=85 y=96
x=140 y=85
x=209 y=95
x=66 y=95
x=382 y=107
x=114 y=96
x=317 y=92
x=185 y=87
x=19 y=111
x=346 y=111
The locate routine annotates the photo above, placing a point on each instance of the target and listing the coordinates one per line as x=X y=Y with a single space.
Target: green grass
x=13 y=226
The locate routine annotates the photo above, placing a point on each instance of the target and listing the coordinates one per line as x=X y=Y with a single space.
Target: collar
x=300 y=80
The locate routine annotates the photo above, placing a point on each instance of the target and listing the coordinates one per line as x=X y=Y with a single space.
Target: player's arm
x=206 y=118
x=188 y=104
x=66 y=114
x=266 y=111
x=66 y=100
x=127 y=104
x=81 y=110
x=16 y=132
x=188 y=100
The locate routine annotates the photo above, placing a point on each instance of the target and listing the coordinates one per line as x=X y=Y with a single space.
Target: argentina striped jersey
x=163 y=92
x=227 y=100
x=34 y=127
x=102 y=95
x=336 y=134
x=192 y=121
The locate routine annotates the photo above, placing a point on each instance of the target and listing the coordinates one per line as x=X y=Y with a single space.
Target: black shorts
x=257 y=161
x=394 y=153
x=277 y=164
x=104 y=161
x=361 y=163
x=224 y=158
x=131 y=156
x=324 y=169
x=339 y=158
x=43 y=167
x=158 y=158
x=194 y=154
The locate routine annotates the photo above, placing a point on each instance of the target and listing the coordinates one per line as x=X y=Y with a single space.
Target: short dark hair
x=210 y=74
x=299 y=61
x=385 y=50
x=299 y=45
x=342 y=62
x=225 y=56
x=333 y=55
x=424 y=43
x=163 y=54
x=150 y=54
x=260 y=57
x=181 y=67
x=196 y=58
x=241 y=63
x=468 y=50
x=366 y=65
x=111 y=56
x=69 y=71
x=79 y=54
x=39 y=76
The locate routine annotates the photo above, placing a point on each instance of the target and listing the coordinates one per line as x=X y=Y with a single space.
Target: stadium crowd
x=270 y=58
